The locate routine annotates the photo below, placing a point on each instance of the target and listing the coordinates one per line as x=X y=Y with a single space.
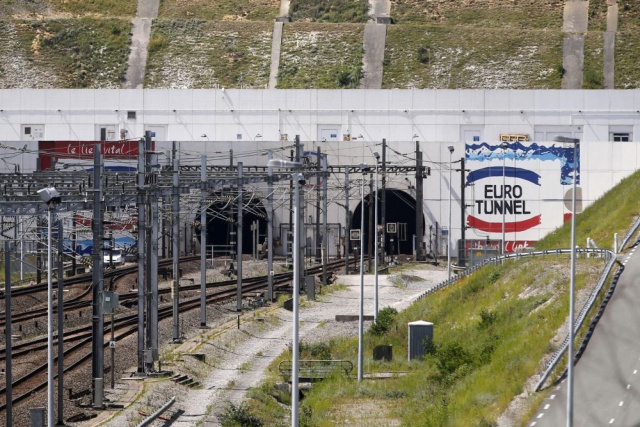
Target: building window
x=620 y=136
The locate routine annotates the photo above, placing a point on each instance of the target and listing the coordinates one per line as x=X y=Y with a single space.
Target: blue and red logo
x=500 y=200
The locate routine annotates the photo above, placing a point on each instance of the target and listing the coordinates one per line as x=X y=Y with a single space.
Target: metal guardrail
x=609 y=255
x=151 y=418
x=316 y=369
x=632 y=231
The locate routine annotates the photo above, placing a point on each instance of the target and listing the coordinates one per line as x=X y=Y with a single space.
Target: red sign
x=119 y=225
x=51 y=151
x=510 y=245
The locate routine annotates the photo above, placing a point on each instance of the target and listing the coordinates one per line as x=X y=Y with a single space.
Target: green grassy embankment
x=492 y=331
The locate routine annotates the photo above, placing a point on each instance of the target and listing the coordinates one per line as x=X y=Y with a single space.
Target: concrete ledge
x=351 y=318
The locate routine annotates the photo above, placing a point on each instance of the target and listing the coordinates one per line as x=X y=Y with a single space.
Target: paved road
x=607 y=377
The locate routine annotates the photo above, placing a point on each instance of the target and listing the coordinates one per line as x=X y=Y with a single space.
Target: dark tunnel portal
x=401 y=209
x=220 y=226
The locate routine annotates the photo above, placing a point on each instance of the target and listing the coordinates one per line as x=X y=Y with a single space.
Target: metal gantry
x=99 y=190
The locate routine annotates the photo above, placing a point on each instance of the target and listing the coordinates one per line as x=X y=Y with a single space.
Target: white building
x=531 y=175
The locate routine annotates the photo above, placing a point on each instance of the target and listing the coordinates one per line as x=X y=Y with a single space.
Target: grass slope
x=419 y=56
x=95 y=8
x=204 y=54
x=220 y=10
x=497 y=14
x=492 y=330
x=612 y=213
x=75 y=53
x=354 y=11
x=322 y=56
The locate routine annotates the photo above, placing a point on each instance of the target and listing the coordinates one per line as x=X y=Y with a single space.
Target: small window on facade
x=621 y=137
x=27 y=130
x=131 y=115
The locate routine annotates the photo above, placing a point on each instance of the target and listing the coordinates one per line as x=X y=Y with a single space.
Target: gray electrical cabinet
x=418 y=332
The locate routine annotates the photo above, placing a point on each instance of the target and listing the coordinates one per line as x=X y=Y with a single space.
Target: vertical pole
x=463 y=223
x=296 y=295
x=49 y=318
x=153 y=271
x=419 y=204
x=361 y=316
x=240 y=225
x=60 y=324
x=504 y=199
x=113 y=357
x=203 y=242
x=449 y=223
x=383 y=200
x=377 y=243
x=347 y=222
x=291 y=196
x=74 y=238
x=175 y=242
x=39 y=248
x=270 y=230
x=142 y=227
x=318 y=250
x=22 y=254
x=325 y=228
x=98 y=266
x=572 y=291
x=7 y=336
x=370 y=233
x=149 y=365
x=302 y=241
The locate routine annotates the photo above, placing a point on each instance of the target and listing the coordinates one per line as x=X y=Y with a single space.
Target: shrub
x=424 y=55
x=487 y=318
x=429 y=346
x=239 y=415
x=385 y=319
x=451 y=357
x=317 y=350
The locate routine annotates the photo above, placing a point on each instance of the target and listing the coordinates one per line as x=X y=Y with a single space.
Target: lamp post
x=364 y=168
x=375 y=221
x=297 y=181
x=451 y=150
x=50 y=196
x=504 y=199
x=575 y=142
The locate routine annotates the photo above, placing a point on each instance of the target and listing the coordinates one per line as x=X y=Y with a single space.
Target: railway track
x=80 y=338
x=76 y=302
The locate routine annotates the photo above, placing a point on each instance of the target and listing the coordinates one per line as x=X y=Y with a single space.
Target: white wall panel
x=435 y=116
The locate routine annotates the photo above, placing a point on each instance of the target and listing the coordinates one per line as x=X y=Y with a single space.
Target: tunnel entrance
x=222 y=218
x=401 y=211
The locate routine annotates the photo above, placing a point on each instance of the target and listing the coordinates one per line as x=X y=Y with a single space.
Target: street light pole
x=49 y=318
x=363 y=168
x=575 y=142
x=297 y=181
x=451 y=150
x=51 y=197
x=504 y=198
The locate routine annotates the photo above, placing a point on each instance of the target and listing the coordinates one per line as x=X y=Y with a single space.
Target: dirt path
x=236 y=359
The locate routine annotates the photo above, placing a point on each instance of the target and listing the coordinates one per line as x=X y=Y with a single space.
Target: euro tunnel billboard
x=523 y=188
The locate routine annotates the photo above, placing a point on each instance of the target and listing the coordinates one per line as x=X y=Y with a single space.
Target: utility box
x=480 y=255
x=383 y=352
x=111 y=302
x=418 y=332
x=310 y=286
x=36 y=417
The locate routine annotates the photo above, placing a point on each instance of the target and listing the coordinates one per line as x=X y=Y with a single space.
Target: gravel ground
x=236 y=359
